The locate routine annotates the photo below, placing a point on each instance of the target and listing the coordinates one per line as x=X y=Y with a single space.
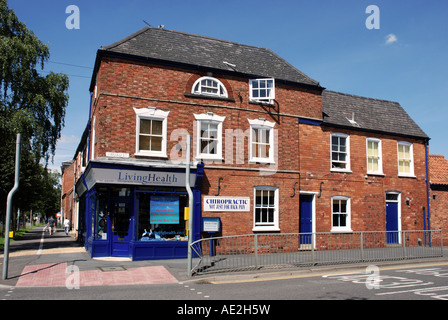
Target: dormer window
x=262 y=90
x=210 y=87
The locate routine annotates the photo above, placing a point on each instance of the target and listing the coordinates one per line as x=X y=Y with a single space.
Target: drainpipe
x=89 y=126
x=190 y=208
x=428 y=215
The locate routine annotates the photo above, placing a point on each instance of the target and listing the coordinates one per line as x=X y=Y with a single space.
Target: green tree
x=30 y=103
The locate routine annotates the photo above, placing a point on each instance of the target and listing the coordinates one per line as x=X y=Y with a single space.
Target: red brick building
x=67 y=190
x=439 y=193
x=272 y=150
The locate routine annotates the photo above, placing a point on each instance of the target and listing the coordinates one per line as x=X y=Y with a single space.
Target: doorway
x=121 y=224
x=306 y=218
x=393 y=218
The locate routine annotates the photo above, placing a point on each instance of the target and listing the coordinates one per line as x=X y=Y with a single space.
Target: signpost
x=190 y=208
x=9 y=208
x=211 y=225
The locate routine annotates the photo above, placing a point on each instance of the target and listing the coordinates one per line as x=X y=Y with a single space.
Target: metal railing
x=255 y=251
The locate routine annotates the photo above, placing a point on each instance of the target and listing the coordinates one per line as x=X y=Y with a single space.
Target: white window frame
x=271 y=225
x=262 y=124
x=410 y=159
x=347 y=160
x=347 y=227
x=380 y=156
x=259 y=85
x=200 y=89
x=209 y=118
x=151 y=114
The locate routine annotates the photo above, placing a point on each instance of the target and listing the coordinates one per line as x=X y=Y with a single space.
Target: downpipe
x=428 y=211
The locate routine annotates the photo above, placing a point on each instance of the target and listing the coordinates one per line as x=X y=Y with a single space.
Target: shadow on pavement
x=32 y=239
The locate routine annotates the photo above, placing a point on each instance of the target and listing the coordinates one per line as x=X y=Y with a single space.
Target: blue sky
x=405 y=60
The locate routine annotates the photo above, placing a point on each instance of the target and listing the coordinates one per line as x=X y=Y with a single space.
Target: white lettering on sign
x=135 y=177
x=229 y=204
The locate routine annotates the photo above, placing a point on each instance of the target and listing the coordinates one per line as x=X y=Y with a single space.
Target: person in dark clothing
x=51 y=225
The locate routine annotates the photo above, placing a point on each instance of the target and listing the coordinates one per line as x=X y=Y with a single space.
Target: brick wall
x=367 y=192
x=122 y=86
x=439 y=208
x=438 y=167
x=67 y=191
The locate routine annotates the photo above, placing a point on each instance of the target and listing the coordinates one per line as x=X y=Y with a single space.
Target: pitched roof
x=367 y=114
x=196 y=50
x=438 y=169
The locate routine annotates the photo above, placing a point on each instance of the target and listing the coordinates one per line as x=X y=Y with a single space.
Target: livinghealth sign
x=227 y=204
x=136 y=177
x=164 y=210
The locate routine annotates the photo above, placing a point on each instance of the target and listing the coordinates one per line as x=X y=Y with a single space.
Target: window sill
x=341 y=231
x=341 y=170
x=407 y=176
x=267 y=228
x=209 y=158
x=204 y=96
x=380 y=174
x=261 y=161
x=150 y=155
x=262 y=103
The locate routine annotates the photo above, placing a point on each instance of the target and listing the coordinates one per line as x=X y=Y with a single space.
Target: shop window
x=209 y=137
x=266 y=209
x=101 y=217
x=151 y=133
x=340 y=214
x=161 y=217
x=261 y=149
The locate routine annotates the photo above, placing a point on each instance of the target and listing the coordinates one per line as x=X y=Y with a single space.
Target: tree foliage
x=29 y=101
x=31 y=104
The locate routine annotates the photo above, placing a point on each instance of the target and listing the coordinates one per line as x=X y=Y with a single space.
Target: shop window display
x=161 y=217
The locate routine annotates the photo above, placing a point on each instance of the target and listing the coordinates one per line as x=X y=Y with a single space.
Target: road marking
x=41 y=246
x=360 y=270
x=418 y=291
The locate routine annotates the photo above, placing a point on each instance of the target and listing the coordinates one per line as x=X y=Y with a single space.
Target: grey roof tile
x=196 y=50
x=369 y=114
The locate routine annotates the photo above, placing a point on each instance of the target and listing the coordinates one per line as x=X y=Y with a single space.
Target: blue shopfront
x=137 y=211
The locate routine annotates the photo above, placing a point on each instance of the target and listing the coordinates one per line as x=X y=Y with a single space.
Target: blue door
x=306 y=218
x=121 y=227
x=392 y=223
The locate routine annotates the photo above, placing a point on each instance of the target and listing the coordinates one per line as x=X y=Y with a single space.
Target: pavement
x=41 y=260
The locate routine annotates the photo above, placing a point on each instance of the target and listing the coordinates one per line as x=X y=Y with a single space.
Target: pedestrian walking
x=66 y=226
x=51 y=225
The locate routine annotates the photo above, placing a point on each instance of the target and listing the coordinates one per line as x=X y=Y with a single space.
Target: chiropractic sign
x=228 y=204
